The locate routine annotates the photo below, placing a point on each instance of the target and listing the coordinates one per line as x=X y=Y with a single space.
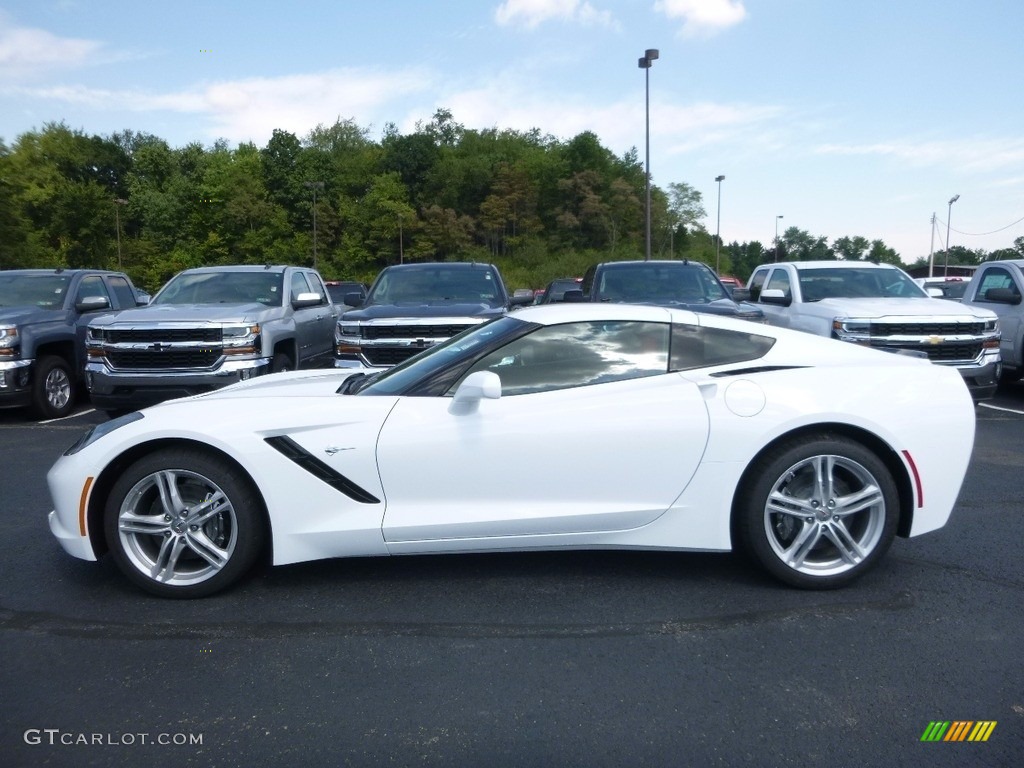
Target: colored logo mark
x=958 y=730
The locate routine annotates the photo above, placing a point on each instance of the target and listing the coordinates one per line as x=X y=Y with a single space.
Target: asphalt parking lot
x=574 y=659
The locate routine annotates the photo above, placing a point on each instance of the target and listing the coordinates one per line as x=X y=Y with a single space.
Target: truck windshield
x=857 y=283
x=436 y=285
x=663 y=283
x=243 y=287
x=45 y=291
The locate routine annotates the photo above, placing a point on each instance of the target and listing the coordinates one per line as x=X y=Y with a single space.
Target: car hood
x=423 y=309
x=312 y=383
x=25 y=313
x=897 y=307
x=192 y=313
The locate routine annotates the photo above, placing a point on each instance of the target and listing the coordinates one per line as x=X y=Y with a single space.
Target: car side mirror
x=934 y=293
x=520 y=301
x=92 y=303
x=306 y=300
x=740 y=294
x=574 y=294
x=479 y=385
x=776 y=296
x=353 y=299
x=1002 y=296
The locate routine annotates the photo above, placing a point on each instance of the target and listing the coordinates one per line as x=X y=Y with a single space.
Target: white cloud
x=26 y=51
x=702 y=17
x=974 y=154
x=531 y=13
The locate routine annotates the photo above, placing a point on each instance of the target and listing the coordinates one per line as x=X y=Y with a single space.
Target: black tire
x=281 y=362
x=211 y=548
x=54 y=388
x=808 y=495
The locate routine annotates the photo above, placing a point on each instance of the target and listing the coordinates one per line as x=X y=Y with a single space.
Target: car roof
x=425 y=265
x=245 y=268
x=837 y=264
x=653 y=262
x=553 y=314
x=67 y=272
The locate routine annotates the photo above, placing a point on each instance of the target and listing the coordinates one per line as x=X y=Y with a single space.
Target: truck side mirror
x=574 y=294
x=92 y=303
x=776 y=296
x=1002 y=296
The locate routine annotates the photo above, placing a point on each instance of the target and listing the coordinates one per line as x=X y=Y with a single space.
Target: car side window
x=757 y=283
x=996 y=277
x=577 y=355
x=779 y=281
x=316 y=285
x=124 y=293
x=92 y=287
x=695 y=346
x=299 y=285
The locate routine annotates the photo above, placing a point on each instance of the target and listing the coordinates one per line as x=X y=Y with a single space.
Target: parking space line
x=999 y=408
x=69 y=416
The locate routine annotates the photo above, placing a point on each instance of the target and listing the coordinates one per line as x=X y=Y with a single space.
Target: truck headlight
x=241 y=339
x=9 y=339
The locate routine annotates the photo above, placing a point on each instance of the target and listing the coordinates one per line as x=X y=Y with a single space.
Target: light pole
x=645 y=64
x=401 y=248
x=718 y=228
x=117 y=226
x=314 y=185
x=777 y=236
x=953 y=199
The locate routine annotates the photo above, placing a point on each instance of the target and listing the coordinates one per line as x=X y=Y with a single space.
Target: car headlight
x=348 y=329
x=241 y=339
x=100 y=430
x=8 y=339
x=851 y=325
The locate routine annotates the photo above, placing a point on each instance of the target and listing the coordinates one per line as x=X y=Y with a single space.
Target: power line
x=983 y=234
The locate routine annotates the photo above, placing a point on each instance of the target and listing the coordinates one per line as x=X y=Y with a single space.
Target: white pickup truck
x=880 y=306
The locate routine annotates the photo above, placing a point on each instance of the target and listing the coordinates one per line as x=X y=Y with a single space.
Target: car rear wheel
x=183 y=524
x=281 y=363
x=818 y=512
x=53 y=390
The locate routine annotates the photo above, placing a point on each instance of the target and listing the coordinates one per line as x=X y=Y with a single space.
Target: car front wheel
x=183 y=524
x=53 y=391
x=818 y=512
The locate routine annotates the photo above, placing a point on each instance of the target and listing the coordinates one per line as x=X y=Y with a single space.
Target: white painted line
x=70 y=416
x=997 y=408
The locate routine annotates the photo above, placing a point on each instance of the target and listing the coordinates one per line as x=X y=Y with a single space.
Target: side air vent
x=292 y=450
x=758 y=369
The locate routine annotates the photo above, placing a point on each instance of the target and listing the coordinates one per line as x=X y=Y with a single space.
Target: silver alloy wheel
x=177 y=527
x=825 y=515
x=58 y=388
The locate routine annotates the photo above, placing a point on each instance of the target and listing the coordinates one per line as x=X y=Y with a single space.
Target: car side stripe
x=83 y=505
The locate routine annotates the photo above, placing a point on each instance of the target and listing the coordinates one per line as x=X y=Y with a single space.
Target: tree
x=850 y=248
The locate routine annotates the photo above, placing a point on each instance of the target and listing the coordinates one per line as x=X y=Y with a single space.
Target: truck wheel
x=281 y=362
x=53 y=389
x=818 y=511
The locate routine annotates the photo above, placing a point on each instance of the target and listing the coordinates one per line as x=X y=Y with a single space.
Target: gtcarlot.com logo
x=958 y=730
x=55 y=737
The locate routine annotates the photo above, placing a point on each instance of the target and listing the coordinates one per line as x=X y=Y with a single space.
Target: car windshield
x=243 y=287
x=451 y=357
x=436 y=285
x=46 y=291
x=662 y=283
x=857 y=283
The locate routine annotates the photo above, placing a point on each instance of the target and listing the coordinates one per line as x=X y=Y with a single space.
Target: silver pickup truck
x=207 y=328
x=998 y=287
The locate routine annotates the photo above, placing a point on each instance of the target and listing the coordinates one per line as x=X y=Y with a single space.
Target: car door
x=998 y=276
x=590 y=434
x=314 y=331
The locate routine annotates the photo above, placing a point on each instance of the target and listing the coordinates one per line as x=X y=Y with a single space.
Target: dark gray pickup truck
x=43 y=318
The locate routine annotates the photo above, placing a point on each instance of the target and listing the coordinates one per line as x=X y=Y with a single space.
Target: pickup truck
x=411 y=307
x=880 y=306
x=683 y=284
x=43 y=318
x=998 y=286
x=207 y=328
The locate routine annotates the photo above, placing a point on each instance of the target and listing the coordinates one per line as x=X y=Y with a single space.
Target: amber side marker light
x=83 y=504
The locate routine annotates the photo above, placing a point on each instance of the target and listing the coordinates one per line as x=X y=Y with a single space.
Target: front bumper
x=982 y=380
x=15 y=383
x=115 y=390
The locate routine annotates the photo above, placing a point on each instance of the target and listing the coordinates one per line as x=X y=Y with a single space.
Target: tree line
x=538 y=206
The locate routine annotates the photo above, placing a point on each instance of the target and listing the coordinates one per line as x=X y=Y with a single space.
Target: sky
x=843 y=117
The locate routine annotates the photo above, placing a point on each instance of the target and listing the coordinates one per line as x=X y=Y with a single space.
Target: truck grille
x=927 y=329
x=381 y=356
x=941 y=353
x=162 y=359
x=152 y=335
x=412 y=331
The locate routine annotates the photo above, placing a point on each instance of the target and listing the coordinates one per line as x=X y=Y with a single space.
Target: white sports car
x=677 y=431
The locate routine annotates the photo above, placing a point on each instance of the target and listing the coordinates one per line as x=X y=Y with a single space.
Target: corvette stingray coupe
x=661 y=429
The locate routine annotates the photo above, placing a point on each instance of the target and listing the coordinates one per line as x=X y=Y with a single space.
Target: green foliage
x=540 y=207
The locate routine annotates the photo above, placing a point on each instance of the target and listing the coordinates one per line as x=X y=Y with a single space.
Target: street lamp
x=718 y=228
x=117 y=226
x=645 y=64
x=953 y=199
x=777 y=236
x=314 y=185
